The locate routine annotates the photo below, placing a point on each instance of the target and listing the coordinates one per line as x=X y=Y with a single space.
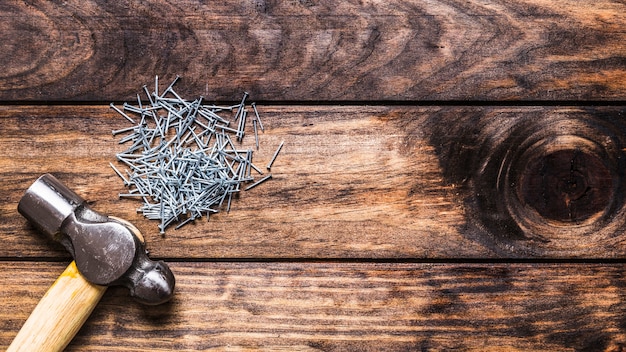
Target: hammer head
x=107 y=250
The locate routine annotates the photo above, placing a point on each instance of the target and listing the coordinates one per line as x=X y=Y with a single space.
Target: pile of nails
x=182 y=161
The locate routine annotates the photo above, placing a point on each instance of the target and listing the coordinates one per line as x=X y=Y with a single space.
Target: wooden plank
x=339 y=185
x=358 y=182
x=310 y=51
x=341 y=306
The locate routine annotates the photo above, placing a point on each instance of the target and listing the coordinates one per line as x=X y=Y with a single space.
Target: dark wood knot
x=551 y=185
x=567 y=185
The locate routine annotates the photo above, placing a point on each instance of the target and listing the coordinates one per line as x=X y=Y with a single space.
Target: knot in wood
x=550 y=184
x=569 y=185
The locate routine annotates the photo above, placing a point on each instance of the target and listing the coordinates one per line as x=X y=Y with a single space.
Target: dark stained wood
x=340 y=306
x=502 y=159
x=350 y=182
x=567 y=185
x=385 y=227
x=315 y=50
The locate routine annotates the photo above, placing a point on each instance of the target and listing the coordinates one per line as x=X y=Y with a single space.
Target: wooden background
x=386 y=225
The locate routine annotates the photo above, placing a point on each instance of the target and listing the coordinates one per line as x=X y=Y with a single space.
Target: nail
x=256 y=112
x=259 y=182
x=122 y=113
x=183 y=162
x=170 y=86
x=269 y=166
x=256 y=134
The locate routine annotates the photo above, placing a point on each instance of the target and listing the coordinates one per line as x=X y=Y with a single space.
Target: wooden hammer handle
x=60 y=313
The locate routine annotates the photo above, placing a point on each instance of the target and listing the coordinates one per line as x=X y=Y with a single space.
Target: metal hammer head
x=107 y=250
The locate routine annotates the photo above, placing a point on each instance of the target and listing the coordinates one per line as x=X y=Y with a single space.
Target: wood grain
x=333 y=306
x=59 y=315
x=385 y=226
x=315 y=50
x=351 y=182
x=345 y=184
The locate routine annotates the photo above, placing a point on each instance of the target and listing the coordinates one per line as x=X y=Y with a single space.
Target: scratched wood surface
x=316 y=50
x=357 y=306
x=351 y=182
x=452 y=175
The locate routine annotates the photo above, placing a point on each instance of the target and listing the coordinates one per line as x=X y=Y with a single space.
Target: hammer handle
x=59 y=314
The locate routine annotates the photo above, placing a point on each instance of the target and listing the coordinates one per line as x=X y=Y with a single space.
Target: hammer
x=106 y=251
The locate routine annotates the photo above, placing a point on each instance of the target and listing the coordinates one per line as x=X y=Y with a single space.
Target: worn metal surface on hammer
x=107 y=250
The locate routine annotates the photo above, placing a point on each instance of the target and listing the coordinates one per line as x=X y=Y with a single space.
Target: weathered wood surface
x=316 y=50
x=350 y=182
x=385 y=226
x=339 y=307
